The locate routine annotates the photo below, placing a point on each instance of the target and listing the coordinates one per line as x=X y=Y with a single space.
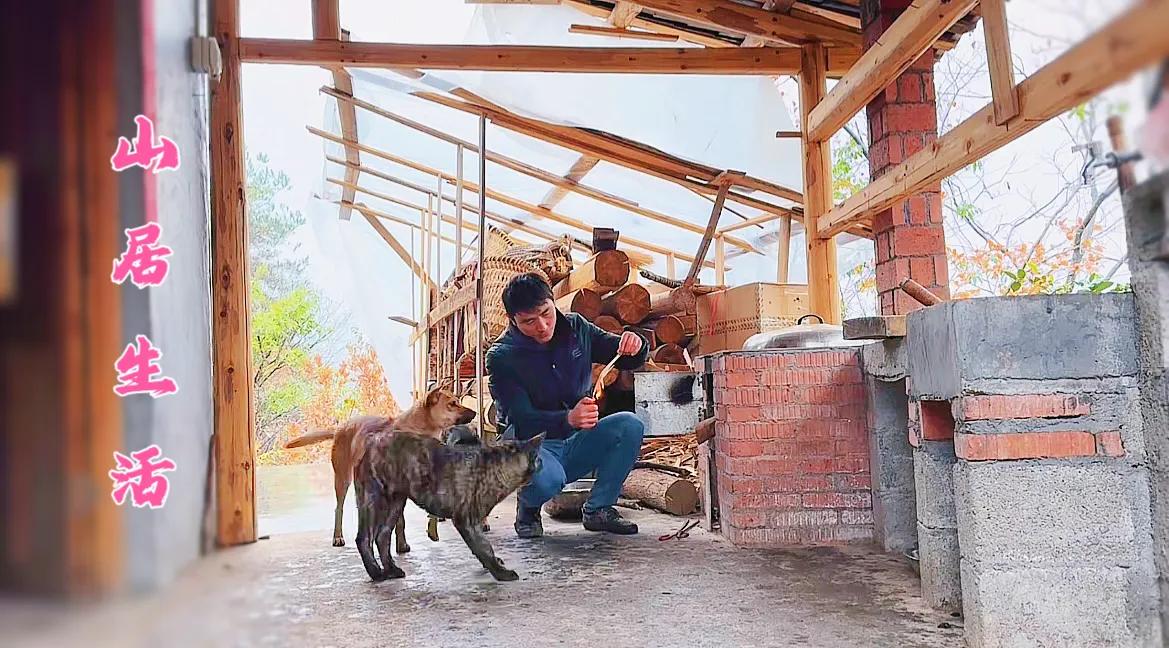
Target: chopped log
x=661 y=491
x=669 y=354
x=586 y=302
x=610 y=324
x=704 y=431
x=602 y=272
x=674 y=329
x=630 y=304
x=677 y=300
x=610 y=378
x=646 y=334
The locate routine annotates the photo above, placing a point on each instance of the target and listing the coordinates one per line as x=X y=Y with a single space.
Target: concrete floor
x=576 y=589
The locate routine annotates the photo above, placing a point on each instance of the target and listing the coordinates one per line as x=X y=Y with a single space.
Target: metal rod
x=438 y=237
x=414 y=311
x=458 y=202
x=479 y=270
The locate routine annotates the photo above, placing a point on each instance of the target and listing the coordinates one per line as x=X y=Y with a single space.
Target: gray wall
x=177 y=314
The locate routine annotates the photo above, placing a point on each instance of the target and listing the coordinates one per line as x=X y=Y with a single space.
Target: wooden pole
x=670 y=272
x=235 y=478
x=1125 y=175
x=823 y=283
x=458 y=201
x=479 y=269
x=438 y=237
x=783 y=258
x=720 y=262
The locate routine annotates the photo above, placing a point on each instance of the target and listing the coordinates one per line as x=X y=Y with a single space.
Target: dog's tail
x=311 y=438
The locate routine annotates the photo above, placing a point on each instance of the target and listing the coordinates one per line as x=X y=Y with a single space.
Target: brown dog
x=437 y=412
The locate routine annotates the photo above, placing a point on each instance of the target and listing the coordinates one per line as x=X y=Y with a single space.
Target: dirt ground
x=576 y=588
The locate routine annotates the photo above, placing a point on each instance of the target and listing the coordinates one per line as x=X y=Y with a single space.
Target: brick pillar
x=902 y=121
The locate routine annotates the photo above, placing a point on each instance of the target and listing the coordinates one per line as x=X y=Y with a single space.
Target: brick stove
x=791 y=447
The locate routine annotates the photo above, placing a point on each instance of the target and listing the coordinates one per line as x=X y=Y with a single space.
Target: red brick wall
x=791 y=448
x=903 y=120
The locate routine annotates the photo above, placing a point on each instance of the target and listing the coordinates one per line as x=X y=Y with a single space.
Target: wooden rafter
x=516 y=203
x=1134 y=40
x=910 y=36
x=621 y=32
x=794 y=27
x=559 y=181
x=392 y=218
x=327 y=26
x=522 y=58
x=840 y=59
x=576 y=173
x=621 y=151
x=398 y=248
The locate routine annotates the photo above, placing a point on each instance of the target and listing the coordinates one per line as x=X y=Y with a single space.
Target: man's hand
x=630 y=344
x=584 y=415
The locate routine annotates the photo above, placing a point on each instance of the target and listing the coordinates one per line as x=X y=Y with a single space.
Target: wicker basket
x=497 y=272
x=554 y=258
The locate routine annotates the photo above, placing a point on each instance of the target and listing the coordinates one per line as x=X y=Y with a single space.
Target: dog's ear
x=534 y=442
x=433 y=395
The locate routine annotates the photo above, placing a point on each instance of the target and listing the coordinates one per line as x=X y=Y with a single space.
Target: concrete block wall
x=792 y=453
x=1047 y=485
x=890 y=455
x=1147 y=225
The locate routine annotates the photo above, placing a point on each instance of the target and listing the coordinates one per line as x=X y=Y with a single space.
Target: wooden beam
x=418 y=270
x=617 y=151
x=1131 y=42
x=235 y=476
x=1001 y=65
x=910 y=36
x=823 y=282
x=576 y=173
x=327 y=26
x=522 y=58
x=754 y=21
x=516 y=203
x=389 y=217
x=620 y=32
x=558 y=181
x=750 y=222
x=720 y=262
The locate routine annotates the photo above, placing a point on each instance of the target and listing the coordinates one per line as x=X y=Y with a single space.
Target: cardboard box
x=727 y=318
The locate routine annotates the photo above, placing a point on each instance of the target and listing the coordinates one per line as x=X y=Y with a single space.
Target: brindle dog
x=461 y=483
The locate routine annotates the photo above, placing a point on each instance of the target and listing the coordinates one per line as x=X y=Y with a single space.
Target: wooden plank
x=621 y=32
x=576 y=173
x=998 y=54
x=326 y=19
x=561 y=182
x=522 y=58
x=395 y=219
x=879 y=327
x=754 y=21
x=910 y=36
x=783 y=257
x=447 y=307
x=418 y=269
x=235 y=451
x=535 y=210
x=720 y=261
x=1131 y=42
x=750 y=222
x=823 y=282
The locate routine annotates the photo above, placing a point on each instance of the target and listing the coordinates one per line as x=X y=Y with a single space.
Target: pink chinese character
x=138 y=371
x=138 y=476
x=147 y=152
x=143 y=259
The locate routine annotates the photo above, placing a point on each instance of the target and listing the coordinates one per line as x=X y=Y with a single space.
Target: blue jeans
x=610 y=448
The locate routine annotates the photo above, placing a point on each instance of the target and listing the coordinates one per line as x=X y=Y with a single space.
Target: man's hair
x=525 y=292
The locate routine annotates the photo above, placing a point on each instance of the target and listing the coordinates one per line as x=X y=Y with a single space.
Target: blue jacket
x=535 y=385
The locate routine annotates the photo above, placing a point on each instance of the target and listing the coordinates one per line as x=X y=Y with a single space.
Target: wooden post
x=1125 y=175
x=783 y=258
x=823 y=282
x=1000 y=64
x=458 y=205
x=670 y=272
x=720 y=262
x=235 y=477
x=479 y=270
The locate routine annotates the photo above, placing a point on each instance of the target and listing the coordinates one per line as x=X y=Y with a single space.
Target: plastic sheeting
x=723 y=122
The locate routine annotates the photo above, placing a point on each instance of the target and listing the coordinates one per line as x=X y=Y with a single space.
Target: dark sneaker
x=527 y=522
x=608 y=519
